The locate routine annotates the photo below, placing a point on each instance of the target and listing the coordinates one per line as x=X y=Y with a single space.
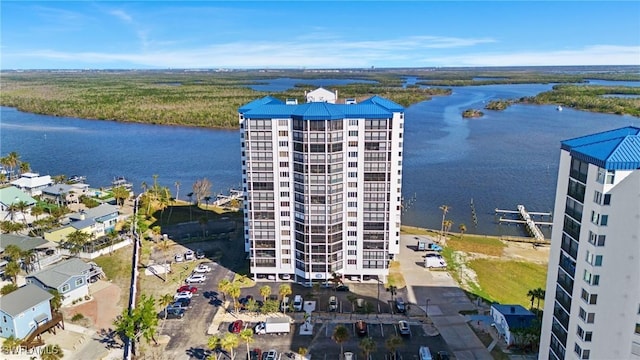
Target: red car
x=237 y=326
x=191 y=289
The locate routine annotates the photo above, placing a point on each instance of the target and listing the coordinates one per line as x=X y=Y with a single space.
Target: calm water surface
x=501 y=160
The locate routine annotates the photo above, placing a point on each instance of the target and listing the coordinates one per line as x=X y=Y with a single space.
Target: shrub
x=77 y=317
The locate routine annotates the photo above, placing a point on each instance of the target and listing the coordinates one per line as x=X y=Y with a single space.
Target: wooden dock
x=526 y=219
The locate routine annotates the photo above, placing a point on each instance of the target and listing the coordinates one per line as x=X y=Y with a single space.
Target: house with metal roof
x=32 y=183
x=70 y=277
x=65 y=193
x=43 y=252
x=12 y=195
x=507 y=318
x=97 y=221
x=23 y=310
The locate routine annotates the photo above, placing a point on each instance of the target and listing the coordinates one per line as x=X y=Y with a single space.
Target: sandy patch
x=102 y=309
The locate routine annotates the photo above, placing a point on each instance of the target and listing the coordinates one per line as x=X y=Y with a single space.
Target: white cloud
x=122 y=15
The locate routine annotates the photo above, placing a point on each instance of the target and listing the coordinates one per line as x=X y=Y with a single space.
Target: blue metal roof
x=516 y=315
x=271 y=108
x=617 y=149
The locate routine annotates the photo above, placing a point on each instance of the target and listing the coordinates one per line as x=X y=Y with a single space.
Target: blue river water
x=501 y=160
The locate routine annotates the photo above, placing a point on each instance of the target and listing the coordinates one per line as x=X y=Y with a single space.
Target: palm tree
x=247 y=336
x=265 y=291
x=447 y=225
x=445 y=210
x=213 y=343
x=11 y=343
x=539 y=294
x=164 y=301
x=463 y=229
x=51 y=352
x=177 y=184
x=392 y=344
x=223 y=287
x=24 y=167
x=11 y=270
x=190 y=196
x=340 y=335
x=206 y=200
x=303 y=351
x=203 y=224
x=76 y=241
x=28 y=256
x=22 y=207
x=56 y=300
x=121 y=194
x=368 y=346
x=234 y=291
x=284 y=290
x=229 y=342
x=12 y=160
x=37 y=211
x=164 y=246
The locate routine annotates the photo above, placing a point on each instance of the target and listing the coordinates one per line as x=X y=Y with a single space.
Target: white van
x=434 y=261
x=425 y=353
x=297 y=303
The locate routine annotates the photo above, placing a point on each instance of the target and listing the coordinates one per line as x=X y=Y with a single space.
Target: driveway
x=438 y=293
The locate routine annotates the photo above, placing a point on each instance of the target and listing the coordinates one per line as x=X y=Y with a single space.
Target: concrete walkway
x=437 y=293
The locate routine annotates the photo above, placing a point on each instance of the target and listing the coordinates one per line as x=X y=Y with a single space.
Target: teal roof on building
x=12 y=194
x=617 y=149
x=272 y=108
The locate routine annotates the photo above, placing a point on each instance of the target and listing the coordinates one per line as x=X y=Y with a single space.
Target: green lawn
x=508 y=282
x=481 y=244
x=117 y=268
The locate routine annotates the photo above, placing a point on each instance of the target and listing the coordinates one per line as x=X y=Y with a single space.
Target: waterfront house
x=43 y=252
x=32 y=183
x=24 y=310
x=508 y=318
x=65 y=193
x=70 y=277
x=97 y=221
x=12 y=195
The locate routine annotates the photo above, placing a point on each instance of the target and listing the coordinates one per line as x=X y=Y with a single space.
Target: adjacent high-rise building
x=322 y=185
x=592 y=303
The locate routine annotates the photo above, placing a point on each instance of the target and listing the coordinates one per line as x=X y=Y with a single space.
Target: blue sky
x=314 y=34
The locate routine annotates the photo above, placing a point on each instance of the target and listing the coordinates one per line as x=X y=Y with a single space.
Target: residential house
x=65 y=193
x=508 y=318
x=23 y=311
x=97 y=221
x=70 y=277
x=43 y=252
x=12 y=195
x=32 y=183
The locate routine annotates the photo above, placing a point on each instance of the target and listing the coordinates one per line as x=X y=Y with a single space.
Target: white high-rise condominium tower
x=592 y=303
x=322 y=183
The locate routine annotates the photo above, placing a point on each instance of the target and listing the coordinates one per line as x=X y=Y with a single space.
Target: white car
x=333 y=303
x=260 y=328
x=178 y=258
x=196 y=278
x=189 y=255
x=297 y=303
x=271 y=355
x=183 y=295
x=202 y=268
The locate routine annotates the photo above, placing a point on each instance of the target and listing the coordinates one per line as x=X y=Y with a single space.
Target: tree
x=140 y=323
x=392 y=344
x=164 y=301
x=234 y=292
x=164 y=246
x=177 y=184
x=12 y=269
x=112 y=236
x=25 y=167
x=284 y=290
x=252 y=306
x=37 y=211
x=120 y=193
x=247 y=336
x=76 y=241
x=11 y=343
x=156 y=230
x=213 y=343
x=51 y=352
x=206 y=200
x=201 y=189
x=28 y=257
x=265 y=291
x=229 y=342
x=190 y=196
x=340 y=335
x=13 y=252
x=9 y=288
x=203 y=224
x=9 y=227
x=538 y=294
x=56 y=300
x=368 y=346
x=463 y=229
x=269 y=307
x=223 y=287
x=447 y=225
x=445 y=210
x=303 y=351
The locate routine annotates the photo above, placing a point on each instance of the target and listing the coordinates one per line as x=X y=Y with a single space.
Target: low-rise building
x=70 y=277
x=23 y=311
x=43 y=252
x=65 y=193
x=508 y=318
x=32 y=183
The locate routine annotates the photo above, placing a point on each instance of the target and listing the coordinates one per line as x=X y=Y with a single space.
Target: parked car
x=342 y=287
x=333 y=303
x=171 y=313
x=297 y=303
x=260 y=328
x=189 y=255
x=178 y=258
x=400 y=305
x=199 y=254
x=255 y=354
x=285 y=277
x=196 y=278
x=182 y=302
x=403 y=328
x=270 y=355
x=202 y=268
x=348 y=355
x=183 y=295
x=361 y=328
x=189 y=288
x=237 y=326
x=442 y=355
